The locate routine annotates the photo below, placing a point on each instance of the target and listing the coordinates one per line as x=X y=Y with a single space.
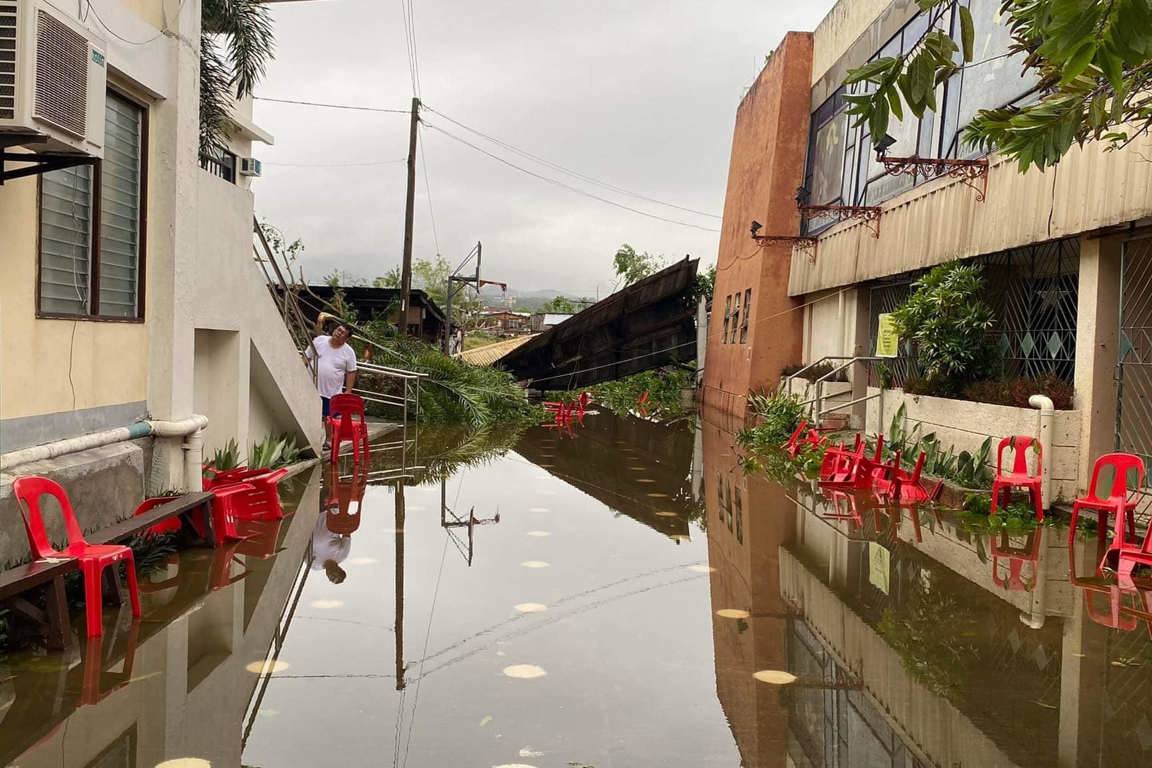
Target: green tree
x=1092 y=60
x=236 y=45
x=632 y=266
x=561 y=305
x=340 y=278
x=390 y=279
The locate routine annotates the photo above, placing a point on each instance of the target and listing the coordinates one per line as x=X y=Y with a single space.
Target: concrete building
x=1065 y=250
x=129 y=287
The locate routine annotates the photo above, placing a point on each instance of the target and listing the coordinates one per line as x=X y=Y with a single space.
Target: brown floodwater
x=620 y=596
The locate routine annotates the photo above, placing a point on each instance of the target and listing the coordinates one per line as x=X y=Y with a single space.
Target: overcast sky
x=639 y=94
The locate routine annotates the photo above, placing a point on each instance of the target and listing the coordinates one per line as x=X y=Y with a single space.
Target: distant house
x=542 y=321
x=425 y=318
x=504 y=321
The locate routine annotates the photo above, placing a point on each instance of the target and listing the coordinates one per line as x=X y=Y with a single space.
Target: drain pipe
x=190 y=428
x=1047 y=416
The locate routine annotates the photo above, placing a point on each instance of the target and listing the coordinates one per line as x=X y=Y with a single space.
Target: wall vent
x=8 y=30
x=61 y=75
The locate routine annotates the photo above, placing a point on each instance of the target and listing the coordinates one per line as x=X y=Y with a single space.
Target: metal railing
x=818 y=411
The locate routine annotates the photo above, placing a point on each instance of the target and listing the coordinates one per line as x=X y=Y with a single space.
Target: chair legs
x=1033 y=494
x=93 y=572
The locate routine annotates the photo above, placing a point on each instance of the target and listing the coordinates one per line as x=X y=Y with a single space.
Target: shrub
x=778 y=414
x=948 y=321
x=1016 y=391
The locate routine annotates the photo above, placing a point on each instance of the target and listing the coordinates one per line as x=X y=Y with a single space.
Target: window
x=223 y=165
x=727 y=318
x=842 y=167
x=747 y=312
x=735 y=316
x=91 y=245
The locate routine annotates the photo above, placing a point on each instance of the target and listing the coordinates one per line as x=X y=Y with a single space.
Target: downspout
x=1044 y=433
x=189 y=428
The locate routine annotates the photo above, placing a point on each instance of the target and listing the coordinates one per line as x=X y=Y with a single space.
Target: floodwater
x=622 y=596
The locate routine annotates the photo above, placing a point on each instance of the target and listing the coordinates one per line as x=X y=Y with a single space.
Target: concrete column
x=172 y=245
x=1097 y=345
x=860 y=343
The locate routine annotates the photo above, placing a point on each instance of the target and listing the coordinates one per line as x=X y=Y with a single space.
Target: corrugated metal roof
x=490 y=353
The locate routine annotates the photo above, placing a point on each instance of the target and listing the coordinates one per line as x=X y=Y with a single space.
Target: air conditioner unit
x=250 y=166
x=53 y=77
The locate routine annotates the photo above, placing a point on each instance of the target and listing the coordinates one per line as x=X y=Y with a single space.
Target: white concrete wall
x=965 y=425
x=231 y=295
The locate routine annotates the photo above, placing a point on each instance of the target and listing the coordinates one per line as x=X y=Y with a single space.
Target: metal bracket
x=806 y=245
x=39 y=162
x=968 y=171
x=868 y=214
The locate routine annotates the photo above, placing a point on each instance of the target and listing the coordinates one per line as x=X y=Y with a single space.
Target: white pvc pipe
x=1044 y=433
x=190 y=427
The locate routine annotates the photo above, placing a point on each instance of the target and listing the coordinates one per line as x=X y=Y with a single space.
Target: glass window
x=828 y=160
x=992 y=80
x=66 y=241
x=80 y=273
x=735 y=316
x=747 y=312
x=120 y=206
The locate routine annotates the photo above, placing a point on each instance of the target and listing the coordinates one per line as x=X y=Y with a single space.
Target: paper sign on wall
x=887 y=339
x=879 y=566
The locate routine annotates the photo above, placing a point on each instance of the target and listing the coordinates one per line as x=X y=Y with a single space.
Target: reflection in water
x=913 y=640
x=593 y=623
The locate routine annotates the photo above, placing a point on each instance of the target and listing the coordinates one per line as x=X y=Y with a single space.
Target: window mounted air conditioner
x=53 y=77
x=250 y=166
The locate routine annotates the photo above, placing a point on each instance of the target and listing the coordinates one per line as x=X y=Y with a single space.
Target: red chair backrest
x=1122 y=464
x=1020 y=445
x=582 y=403
x=29 y=491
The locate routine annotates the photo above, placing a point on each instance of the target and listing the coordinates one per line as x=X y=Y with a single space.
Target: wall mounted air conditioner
x=250 y=166
x=53 y=77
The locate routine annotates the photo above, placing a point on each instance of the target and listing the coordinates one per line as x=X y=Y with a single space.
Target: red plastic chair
x=230 y=505
x=171 y=525
x=1019 y=477
x=905 y=487
x=262 y=497
x=1017 y=557
x=1116 y=502
x=93 y=558
x=346 y=415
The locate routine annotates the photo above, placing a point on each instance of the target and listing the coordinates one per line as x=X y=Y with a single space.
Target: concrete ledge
x=104 y=485
x=26 y=431
x=965 y=425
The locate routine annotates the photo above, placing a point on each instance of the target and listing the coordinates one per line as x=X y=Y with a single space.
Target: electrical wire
x=428 y=195
x=569 y=187
x=410 y=43
x=164 y=31
x=424 y=653
x=352 y=107
x=569 y=171
x=334 y=165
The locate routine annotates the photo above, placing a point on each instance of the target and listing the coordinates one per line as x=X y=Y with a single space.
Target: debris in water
x=524 y=671
x=732 y=613
x=775 y=677
x=531 y=607
x=267 y=667
x=534 y=564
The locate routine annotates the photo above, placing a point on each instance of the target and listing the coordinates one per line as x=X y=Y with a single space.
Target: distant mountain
x=525 y=301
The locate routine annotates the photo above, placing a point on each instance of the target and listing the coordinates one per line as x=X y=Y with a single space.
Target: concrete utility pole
x=406 y=269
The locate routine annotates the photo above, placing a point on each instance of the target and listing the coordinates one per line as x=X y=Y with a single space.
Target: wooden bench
x=53 y=620
x=182 y=506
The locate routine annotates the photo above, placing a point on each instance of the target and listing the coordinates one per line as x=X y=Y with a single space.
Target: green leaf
x=894 y=103
x=1079 y=61
x=967 y=32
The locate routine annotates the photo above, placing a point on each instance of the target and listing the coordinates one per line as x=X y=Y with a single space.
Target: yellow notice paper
x=879 y=560
x=887 y=339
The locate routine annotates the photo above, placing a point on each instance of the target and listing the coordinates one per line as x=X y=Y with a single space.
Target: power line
x=410 y=43
x=335 y=165
x=428 y=194
x=334 y=106
x=569 y=187
x=569 y=171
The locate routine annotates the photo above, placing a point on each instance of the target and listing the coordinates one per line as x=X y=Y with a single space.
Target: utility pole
x=406 y=269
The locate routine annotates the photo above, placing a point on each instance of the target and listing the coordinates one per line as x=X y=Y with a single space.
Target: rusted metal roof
x=646 y=325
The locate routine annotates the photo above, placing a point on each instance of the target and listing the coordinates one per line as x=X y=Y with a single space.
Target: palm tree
x=235 y=47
